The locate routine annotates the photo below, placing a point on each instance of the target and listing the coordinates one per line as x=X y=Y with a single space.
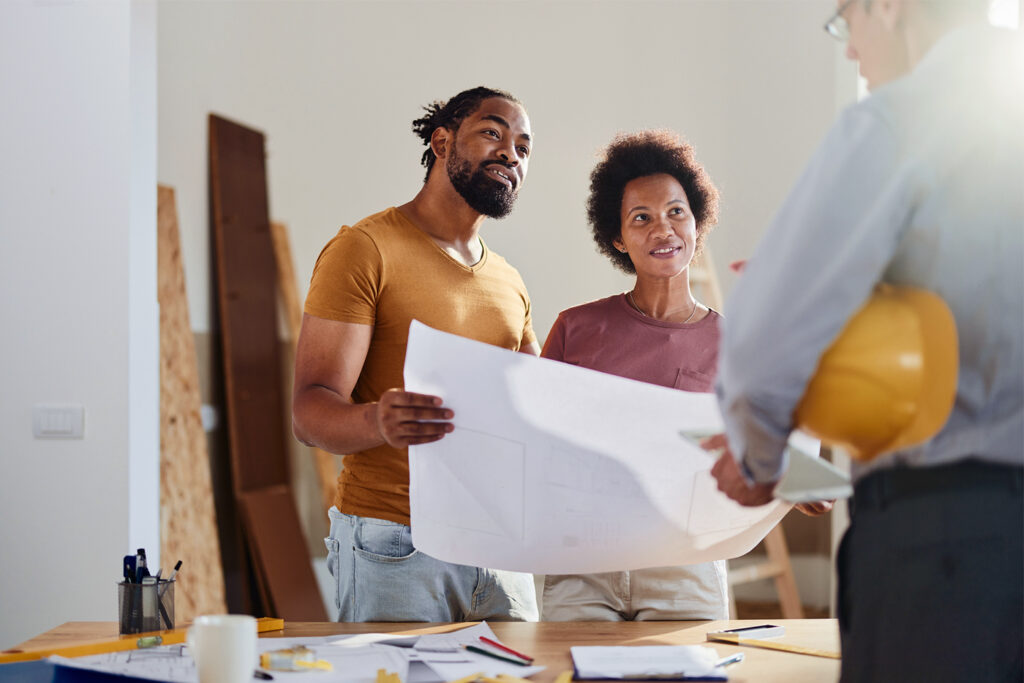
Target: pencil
x=564 y=677
x=506 y=648
x=770 y=645
x=497 y=655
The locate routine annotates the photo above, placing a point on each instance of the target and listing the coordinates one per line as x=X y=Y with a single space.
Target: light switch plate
x=58 y=421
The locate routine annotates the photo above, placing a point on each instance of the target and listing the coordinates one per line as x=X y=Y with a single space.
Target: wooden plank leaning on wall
x=247 y=310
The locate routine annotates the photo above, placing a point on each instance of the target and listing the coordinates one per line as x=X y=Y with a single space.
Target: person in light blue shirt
x=920 y=184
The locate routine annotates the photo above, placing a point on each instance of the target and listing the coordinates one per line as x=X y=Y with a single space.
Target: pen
x=262 y=675
x=734 y=658
x=174 y=572
x=495 y=655
x=505 y=648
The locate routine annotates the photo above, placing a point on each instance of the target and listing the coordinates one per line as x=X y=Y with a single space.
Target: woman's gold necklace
x=629 y=297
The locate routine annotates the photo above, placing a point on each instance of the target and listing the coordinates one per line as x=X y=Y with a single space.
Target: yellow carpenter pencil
x=769 y=645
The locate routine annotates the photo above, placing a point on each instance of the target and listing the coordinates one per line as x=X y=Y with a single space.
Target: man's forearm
x=322 y=418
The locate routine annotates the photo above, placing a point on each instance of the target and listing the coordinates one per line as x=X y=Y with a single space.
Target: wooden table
x=549 y=642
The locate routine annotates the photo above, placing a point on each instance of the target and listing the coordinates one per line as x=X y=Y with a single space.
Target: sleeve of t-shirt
x=554 y=345
x=529 y=336
x=346 y=279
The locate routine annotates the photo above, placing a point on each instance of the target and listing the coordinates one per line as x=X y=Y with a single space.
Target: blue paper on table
x=44 y=671
x=647 y=662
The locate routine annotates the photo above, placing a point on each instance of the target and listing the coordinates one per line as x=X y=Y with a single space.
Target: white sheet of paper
x=810 y=478
x=556 y=469
x=672 y=662
x=439 y=651
x=453 y=641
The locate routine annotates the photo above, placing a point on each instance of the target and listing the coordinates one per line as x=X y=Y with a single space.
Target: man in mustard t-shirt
x=424 y=260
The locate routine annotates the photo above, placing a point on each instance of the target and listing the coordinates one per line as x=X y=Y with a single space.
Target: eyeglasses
x=836 y=26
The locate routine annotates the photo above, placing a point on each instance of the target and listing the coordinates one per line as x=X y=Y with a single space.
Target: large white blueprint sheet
x=556 y=469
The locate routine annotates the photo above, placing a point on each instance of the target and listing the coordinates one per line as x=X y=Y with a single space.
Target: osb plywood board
x=188 y=529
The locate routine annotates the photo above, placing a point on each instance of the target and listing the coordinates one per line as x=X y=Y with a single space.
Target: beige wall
x=335 y=85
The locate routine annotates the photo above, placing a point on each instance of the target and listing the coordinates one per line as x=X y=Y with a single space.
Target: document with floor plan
x=556 y=469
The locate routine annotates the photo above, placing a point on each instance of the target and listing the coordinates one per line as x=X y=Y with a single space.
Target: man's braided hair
x=450 y=115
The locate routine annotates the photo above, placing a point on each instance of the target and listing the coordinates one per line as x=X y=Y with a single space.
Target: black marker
x=141 y=570
x=167 y=581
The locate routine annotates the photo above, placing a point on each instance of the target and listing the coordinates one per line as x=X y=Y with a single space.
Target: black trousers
x=931 y=576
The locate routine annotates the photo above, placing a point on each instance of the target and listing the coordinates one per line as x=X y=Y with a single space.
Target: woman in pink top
x=651 y=207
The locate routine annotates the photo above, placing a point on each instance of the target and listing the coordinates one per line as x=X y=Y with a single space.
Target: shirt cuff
x=760 y=451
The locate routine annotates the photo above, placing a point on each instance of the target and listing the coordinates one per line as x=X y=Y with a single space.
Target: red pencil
x=506 y=649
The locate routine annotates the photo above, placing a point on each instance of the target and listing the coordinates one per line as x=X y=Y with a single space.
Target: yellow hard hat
x=889 y=379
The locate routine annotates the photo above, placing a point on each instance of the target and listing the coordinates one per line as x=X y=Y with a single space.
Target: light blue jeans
x=380 y=576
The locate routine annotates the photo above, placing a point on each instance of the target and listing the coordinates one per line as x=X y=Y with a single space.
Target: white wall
x=335 y=86
x=78 y=305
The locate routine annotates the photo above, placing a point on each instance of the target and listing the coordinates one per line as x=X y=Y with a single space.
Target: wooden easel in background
x=777 y=565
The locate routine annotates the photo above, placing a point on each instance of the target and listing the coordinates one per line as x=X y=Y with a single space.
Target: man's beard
x=483 y=194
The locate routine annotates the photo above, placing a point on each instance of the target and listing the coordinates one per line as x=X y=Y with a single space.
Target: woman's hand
x=730 y=479
x=816 y=508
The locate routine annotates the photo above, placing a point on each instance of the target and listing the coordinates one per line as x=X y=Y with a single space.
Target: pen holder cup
x=147 y=606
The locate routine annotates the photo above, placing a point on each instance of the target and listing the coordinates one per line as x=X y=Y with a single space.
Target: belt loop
x=357 y=531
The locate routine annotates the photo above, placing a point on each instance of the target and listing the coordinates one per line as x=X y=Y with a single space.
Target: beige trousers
x=691 y=592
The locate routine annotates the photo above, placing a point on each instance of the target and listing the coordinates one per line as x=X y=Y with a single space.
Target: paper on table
x=436 y=650
x=173 y=663
x=556 y=469
x=355 y=659
x=666 y=662
x=166 y=663
x=360 y=639
x=453 y=641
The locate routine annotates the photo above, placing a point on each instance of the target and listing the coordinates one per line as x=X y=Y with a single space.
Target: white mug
x=224 y=647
